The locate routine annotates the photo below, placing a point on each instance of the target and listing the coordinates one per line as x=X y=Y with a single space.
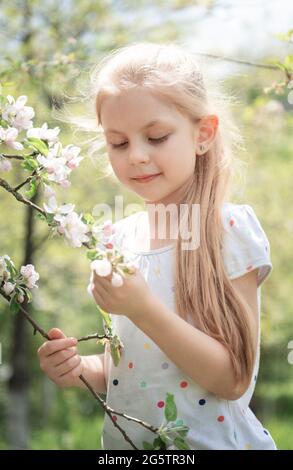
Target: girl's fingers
x=67 y=378
x=68 y=365
x=104 y=281
x=50 y=347
x=62 y=356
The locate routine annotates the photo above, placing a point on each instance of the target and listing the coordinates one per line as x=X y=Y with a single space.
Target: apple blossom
x=55 y=166
x=8 y=287
x=17 y=114
x=102 y=267
x=70 y=153
x=30 y=275
x=20 y=298
x=108 y=228
x=50 y=135
x=73 y=228
x=52 y=207
x=9 y=136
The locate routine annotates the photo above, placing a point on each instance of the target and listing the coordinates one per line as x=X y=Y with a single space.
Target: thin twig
x=110 y=411
x=93 y=336
x=16 y=157
x=239 y=61
x=27 y=180
x=34 y=324
x=21 y=198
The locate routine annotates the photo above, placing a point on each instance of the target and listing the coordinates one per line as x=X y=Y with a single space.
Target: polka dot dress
x=144 y=376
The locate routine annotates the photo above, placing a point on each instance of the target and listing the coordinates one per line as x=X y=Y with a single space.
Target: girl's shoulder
x=245 y=245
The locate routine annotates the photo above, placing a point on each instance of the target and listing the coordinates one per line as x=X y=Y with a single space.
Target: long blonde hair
x=202 y=287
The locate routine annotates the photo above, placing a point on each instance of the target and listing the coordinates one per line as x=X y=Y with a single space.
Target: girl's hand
x=59 y=359
x=127 y=299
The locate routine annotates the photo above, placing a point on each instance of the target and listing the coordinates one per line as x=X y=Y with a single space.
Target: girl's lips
x=147 y=178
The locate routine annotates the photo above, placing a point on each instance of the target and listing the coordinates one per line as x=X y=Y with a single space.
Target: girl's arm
x=200 y=356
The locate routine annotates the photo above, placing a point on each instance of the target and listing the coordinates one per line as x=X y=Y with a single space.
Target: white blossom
x=20 y=298
x=60 y=162
x=102 y=267
x=30 y=275
x=73 y=228
x=43 y=133
x=52 y=207
x=70 y=153
x=9 y=136
x=17 y=114
x=55 y=166
x=108 y=228
x=8 y=287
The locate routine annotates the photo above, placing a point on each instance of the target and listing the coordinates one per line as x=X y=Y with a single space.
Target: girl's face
x=148 y=136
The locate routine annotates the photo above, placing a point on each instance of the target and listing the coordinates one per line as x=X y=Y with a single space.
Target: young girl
x=189 y=318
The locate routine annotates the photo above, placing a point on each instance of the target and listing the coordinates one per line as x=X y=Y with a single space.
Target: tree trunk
x=17 y=413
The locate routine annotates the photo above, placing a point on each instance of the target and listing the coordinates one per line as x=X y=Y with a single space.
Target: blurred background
x=45 y=49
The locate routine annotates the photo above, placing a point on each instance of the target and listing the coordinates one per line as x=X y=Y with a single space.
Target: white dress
x=138 y=386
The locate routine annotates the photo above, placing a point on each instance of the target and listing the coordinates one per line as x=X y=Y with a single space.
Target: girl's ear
x=207 y=130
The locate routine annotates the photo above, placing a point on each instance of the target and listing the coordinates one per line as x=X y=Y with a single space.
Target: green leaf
x=13 y=305
x=11 y=268
x=37 y=144
x=30 y=164
x=115 y=347
x=106 y=318
x=88 y=219
x=170 y=408
x=29 y=295
x=147 y=445
x=40 y=216
x=183 y=432
x=33 y=189
x=91 y=254
x=181 y=444
x=159 y=444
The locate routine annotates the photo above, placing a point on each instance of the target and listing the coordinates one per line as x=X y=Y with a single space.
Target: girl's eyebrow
x=151 y=123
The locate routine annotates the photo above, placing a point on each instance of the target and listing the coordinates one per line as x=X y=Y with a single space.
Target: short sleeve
x=245 y=245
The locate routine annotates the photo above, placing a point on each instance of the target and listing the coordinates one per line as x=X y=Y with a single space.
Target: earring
x=201 y=148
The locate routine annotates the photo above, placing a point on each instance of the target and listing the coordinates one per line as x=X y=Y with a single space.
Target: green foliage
x=171 y=433
x=37 y=145
x=170 y=409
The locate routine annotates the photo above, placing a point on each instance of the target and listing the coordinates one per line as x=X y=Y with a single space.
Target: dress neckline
x=148 y=252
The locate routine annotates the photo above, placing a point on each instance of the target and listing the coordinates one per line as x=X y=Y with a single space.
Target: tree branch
x=27 y=180
x=93 y=336
x=110 y=411
x=34 y=324
x=20 y=198
x=239 y=61
x=16 y=157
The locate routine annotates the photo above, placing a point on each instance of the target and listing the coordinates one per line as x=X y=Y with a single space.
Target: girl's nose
x=138 y=156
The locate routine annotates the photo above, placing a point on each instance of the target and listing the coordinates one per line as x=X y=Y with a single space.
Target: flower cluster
x=17 y=285
x=106 y=256
x=48 y=152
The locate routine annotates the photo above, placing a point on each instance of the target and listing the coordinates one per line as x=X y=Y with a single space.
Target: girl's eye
x=155 y=141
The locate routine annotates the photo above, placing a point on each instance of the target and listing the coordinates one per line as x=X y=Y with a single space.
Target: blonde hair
x=202 y=287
